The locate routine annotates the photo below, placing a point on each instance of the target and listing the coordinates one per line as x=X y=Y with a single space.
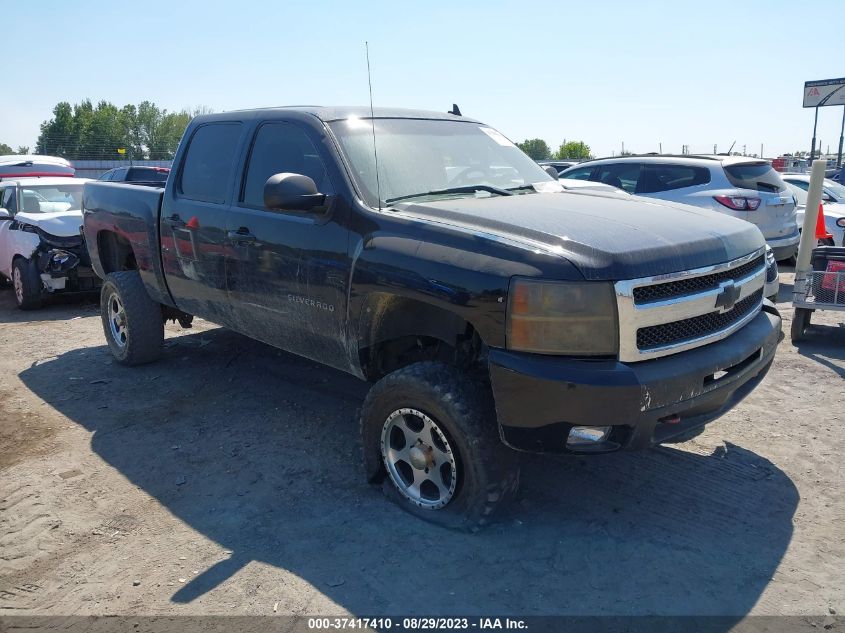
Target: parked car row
x=746 y=188
x=833 y=205
x=42 y=248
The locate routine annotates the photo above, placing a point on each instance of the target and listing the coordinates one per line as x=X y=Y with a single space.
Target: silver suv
x=745 y=188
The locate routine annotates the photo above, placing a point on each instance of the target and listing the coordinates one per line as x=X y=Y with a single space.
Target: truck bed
x=132 y=212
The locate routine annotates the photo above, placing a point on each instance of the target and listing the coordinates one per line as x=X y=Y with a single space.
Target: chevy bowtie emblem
x=727 y=299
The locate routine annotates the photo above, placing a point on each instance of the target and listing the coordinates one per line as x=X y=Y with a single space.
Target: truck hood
x=60 y=223
x=606 y=237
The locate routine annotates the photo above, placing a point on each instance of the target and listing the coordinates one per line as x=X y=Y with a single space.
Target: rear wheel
x=430 y=438
x=29 y=291
x=132 y=321
x=800 y=323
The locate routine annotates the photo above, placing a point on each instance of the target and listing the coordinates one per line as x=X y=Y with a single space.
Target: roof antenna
x=455 y=110
x=373 y=123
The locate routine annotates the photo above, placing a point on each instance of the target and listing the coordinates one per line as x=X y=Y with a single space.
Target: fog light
x=580 y=436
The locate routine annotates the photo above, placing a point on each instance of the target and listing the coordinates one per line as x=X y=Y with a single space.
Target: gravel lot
x=225 y=479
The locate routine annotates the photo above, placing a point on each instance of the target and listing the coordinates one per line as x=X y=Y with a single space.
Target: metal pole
x=841 y=131
x=815 y=125
x=808 y=232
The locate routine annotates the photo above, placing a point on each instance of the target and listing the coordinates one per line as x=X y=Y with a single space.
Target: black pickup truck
x=492 y=310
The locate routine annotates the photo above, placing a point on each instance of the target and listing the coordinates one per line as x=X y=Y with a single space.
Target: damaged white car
x=42 y=250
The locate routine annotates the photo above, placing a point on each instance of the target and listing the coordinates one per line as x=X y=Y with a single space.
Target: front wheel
x=132 y=321
x=430 y=438
x=29 y=291
x=800 y=323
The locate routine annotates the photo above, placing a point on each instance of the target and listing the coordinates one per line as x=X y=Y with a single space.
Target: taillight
x=738 y=203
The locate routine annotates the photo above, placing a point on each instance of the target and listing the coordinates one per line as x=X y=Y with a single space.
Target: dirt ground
x=226 y=479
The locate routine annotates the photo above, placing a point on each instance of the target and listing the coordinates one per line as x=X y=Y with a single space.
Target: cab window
x=278 y=148
x=210 y=162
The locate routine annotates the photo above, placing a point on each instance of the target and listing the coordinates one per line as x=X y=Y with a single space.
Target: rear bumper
x=540 y=398
x=784 y=247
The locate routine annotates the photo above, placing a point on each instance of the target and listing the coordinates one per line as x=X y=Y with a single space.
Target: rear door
x=193 y=221
x=288 y=271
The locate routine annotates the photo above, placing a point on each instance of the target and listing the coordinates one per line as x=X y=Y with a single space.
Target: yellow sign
x=121 y=150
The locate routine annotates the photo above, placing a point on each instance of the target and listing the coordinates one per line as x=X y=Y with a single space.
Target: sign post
x=821 y=93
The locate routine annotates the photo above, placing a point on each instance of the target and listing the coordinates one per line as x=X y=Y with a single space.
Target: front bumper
x=540 y=398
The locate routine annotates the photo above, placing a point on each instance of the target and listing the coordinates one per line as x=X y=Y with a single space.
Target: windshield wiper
x=466 y=189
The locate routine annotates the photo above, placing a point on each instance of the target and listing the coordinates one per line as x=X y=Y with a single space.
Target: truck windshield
x=435 y=158
x=51 y=198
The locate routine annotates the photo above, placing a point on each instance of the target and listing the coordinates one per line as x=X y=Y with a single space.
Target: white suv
x=746 y=188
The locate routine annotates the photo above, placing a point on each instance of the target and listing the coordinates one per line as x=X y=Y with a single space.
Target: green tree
x=536 y=148
x=22 y=149
x=84 y=131
x=577 y=150
x=5 y=149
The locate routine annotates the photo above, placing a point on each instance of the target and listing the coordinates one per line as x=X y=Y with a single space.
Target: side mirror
x=826 y=197
x=551 y=171
x=4 y=214
x=292 y=192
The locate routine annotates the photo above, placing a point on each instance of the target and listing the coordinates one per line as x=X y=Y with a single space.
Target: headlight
x=559 y=317
x=770 y=256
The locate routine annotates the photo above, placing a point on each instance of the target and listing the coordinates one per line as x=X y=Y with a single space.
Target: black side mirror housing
x=551 y=171
x=292 y=192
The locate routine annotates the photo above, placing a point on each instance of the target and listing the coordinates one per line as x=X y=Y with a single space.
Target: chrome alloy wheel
x=17 y=282
x=117 y=320
x=418 y=458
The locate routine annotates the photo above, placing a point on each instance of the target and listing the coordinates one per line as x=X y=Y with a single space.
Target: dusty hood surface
x=60 y=224
x=605 y=236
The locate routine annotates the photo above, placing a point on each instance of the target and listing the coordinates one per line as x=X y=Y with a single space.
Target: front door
x=193 y=222
x=288 y=271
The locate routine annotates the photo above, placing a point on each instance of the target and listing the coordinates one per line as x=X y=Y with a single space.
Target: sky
x=646 y=74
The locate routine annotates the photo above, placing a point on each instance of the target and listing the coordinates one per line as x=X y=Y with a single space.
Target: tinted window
x=208 y=165
x=621 y=175
x=667 y=177
x=146 y=174
x=578 y=173
x=281 y=147
x=120 y=174
x=107 y=175
x=756 y=176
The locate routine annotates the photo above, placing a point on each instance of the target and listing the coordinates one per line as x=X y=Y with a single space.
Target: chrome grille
x=695 y=327
x=667 y=314
x=658 y=292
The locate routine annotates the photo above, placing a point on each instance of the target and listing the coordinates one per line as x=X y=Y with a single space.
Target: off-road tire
x=144 y=322
x=32 y=289
x=800 y=323
x=487 y=470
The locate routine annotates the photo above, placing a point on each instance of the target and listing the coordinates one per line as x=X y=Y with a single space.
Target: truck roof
x=339 y=113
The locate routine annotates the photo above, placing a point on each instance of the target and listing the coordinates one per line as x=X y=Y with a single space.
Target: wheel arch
x=395 y=331
x=115 y=253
